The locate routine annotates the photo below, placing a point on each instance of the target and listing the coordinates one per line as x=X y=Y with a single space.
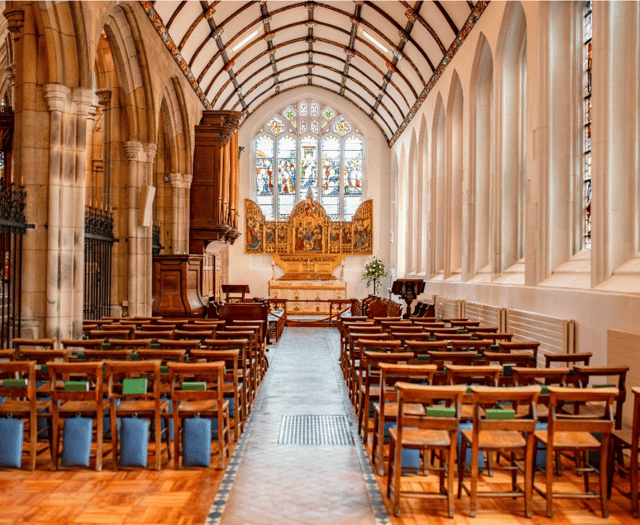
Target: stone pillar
x=89 y=182
x=185 y=212
x=147 y=234
x=103 y=199
x=65 y=233
x=176 y=200
x=135 y=156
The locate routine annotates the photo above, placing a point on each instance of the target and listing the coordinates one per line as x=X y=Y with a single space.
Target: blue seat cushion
x=134 y=442
x=11 y=432
x=196 y=442
x=76 y=441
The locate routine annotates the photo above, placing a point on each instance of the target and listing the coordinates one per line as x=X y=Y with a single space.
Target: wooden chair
x=344 y=323
x=508 y=361
x=484 y=375
x=231 y=383
x=42 y=359
x=627 y=439
x=245 y=344
x=465 y=324
x=43 y=344
x=386 y=410
x=259 y=341
x=160 y=326
x=410 y=336
x=199 y=327
x=465 y=345
x=444 y=359
x=574 y=433
x=105 y=355
x=125 y=333
x=354 y=361
x=8 y=355
x=569 y=360
x=614 y=376
x=147 y=405
x=245 y=381
x=425 y=432
x=370 y=385
x=207 y=403
x=512 y=347
x=154 y=335
x=484 y=329
x=428 y=325
x=438 y=330
x=208 y=333
x=121 y=344
x=402 y=328
x=183 y=344
x=543 y=377
x=494 y=336
x=511 y=437
x=21 y=402
x=79 y=345
x=86 y=403
x=252 y=356
x=446 y=336
x=346 y=349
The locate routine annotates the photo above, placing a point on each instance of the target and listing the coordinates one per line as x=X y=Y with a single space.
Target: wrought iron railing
x=98 y=245
x=13 y=226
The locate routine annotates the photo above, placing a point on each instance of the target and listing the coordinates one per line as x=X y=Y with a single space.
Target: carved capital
x=150 y=150
x=176 y=180
x=104 y=98
x=187 y=179
x=56 y=96
x=83 y=99
x=15 y=19
x=133 y=149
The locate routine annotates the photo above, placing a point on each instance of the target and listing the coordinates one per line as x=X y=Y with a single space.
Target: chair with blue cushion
x=21 y=405
x=144 y=404
x=497 y=430
x=435 y=430
x=70 y=399
x=206 y=402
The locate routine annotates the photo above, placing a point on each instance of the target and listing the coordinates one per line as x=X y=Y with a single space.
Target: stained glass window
x=322 y=155
x=342 y=127
x=264 y=174
x=276 y=126
x=353 y=166
x=586 y=176
x=309 y=165
x=330 y=166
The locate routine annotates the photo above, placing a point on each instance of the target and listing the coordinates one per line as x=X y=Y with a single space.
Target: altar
x=302 y=295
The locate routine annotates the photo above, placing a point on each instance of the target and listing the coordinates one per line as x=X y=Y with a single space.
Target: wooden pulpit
x=409 y=290
x=177 y=285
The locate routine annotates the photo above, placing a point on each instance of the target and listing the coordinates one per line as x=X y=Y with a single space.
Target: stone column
x=136 y=267
x=103 y=199
x=83 y=99
x=89 y=182
x=185 y=212
x=176 y=201
x=147 y=233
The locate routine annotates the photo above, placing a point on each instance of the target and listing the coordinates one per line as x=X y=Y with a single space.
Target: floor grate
x=314 y=430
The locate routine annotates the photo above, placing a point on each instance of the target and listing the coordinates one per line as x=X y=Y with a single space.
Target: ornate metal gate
x=13 y=226
x=98 y=243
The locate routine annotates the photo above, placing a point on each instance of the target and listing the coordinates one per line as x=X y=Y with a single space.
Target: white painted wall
x=543 y=139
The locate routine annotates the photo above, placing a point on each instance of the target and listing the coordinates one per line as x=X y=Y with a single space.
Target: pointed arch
x=437 y=187
x=423 y=195
x=454 y=178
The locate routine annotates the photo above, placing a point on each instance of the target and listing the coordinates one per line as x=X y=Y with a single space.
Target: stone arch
x=437 y=187
x=454 y=178
x=480 y=165
x=423 y=193
x=510 y=125
x=402 y=201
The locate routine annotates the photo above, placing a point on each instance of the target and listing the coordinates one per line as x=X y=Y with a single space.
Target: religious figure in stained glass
x=264 y=166
x=353 y=166
x=309 y=161
x=330 y=166
x=287 y=165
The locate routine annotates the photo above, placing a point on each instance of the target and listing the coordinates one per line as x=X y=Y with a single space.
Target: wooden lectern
x=408 y=289
x=230 y=289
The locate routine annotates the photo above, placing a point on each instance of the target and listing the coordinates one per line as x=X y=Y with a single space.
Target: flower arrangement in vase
x=373 y=271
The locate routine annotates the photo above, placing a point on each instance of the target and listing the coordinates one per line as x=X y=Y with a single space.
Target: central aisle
x=300 y=484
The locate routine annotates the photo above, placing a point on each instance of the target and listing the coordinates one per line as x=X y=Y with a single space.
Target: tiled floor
x=300 y=484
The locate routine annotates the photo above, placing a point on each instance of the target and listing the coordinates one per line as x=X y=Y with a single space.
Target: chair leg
x=528 y=478
x=55 y=435
x=604 y=451
x=461 y=465
x=114 y=436
x=474 y=478
x=176 y=437
x=99 y=437
x=634 y=483
x=549 y=479
x=158 y=441
x=392 y=444
x=33 y=440
x=451 y=453
x=397 y=474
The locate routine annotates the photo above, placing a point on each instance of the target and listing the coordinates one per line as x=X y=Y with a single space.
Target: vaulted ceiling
x=382 y=56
